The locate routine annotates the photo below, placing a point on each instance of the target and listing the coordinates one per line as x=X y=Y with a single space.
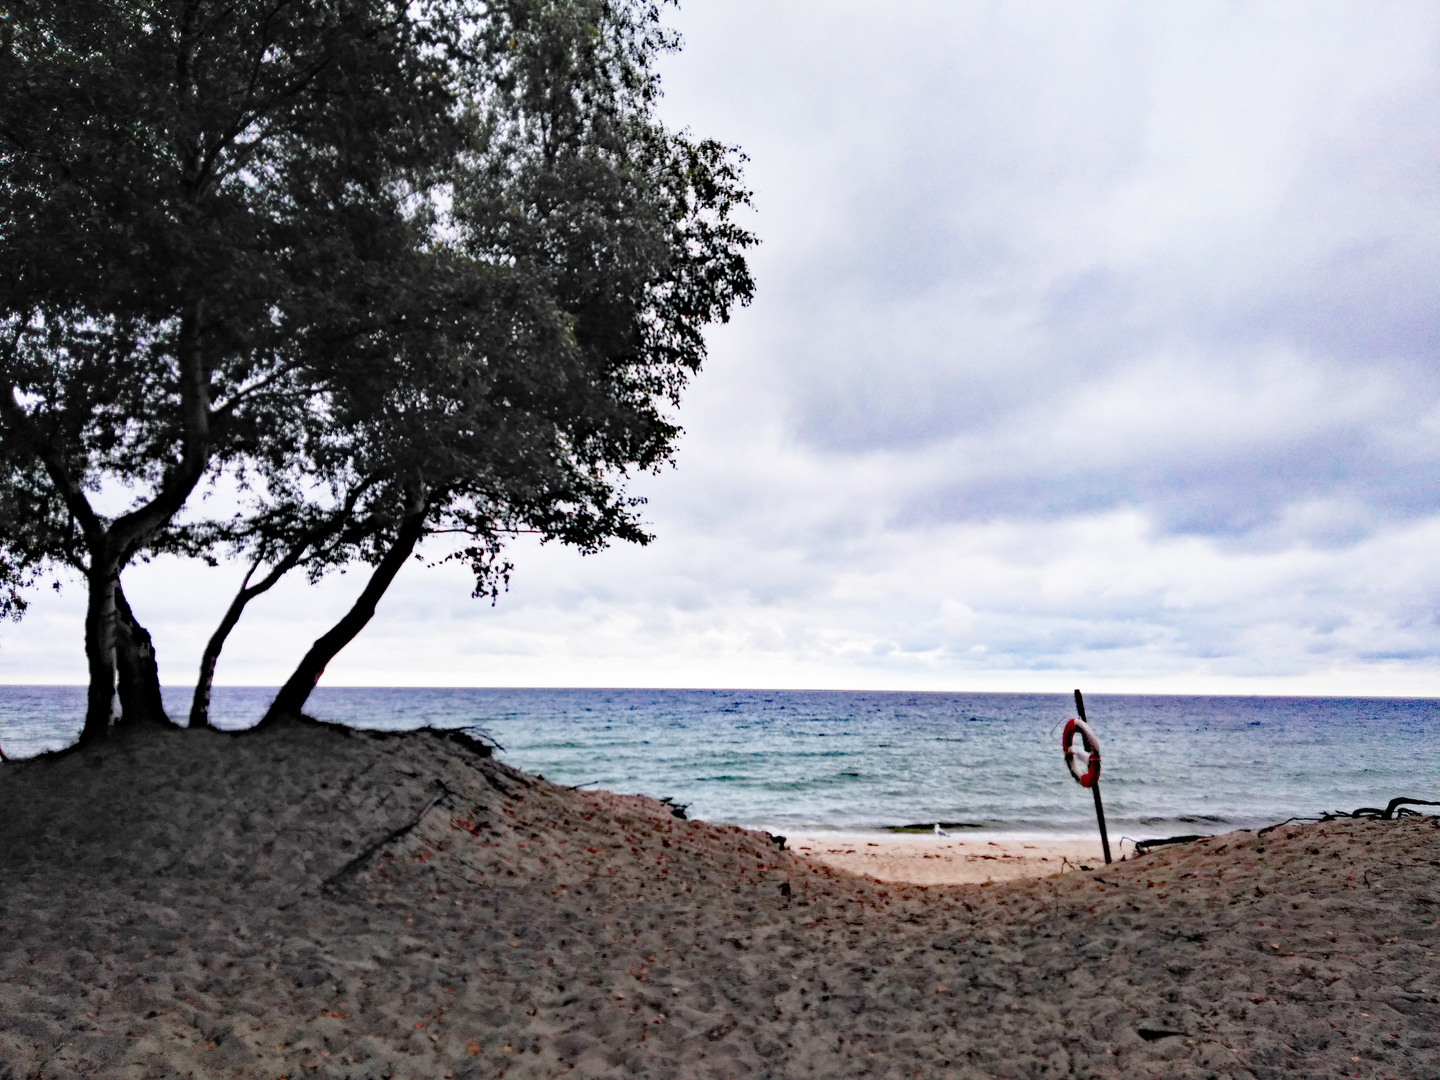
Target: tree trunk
x=110 y=548
x=139 y=675
x=292 y=696
x=104 y=580
x=205 y=682
x=200 y=702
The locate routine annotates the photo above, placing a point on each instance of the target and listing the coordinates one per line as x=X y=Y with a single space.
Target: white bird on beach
x=939 y=831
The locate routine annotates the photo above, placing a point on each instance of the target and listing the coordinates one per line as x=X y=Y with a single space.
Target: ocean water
x=856 y=761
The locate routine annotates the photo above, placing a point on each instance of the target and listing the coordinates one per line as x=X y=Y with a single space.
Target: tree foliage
x=573 y=191
x=196 y=198
x=391 y=268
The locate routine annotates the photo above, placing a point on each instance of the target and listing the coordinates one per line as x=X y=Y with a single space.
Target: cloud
x=1092 y=343
x=989 y=226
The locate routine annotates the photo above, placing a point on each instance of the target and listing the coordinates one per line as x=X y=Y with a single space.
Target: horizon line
x=778 y=690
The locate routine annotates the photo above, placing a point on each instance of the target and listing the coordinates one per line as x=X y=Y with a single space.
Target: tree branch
x=20 y=422
x=133 y=529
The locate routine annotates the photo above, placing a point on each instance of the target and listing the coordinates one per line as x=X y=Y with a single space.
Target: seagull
x=939 y=831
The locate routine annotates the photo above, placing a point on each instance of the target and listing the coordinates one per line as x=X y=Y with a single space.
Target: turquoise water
x=846 y=760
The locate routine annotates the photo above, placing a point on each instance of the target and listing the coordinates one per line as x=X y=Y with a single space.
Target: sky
x=1093 y=345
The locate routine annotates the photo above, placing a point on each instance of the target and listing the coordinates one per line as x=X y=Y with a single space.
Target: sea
x=850 y=762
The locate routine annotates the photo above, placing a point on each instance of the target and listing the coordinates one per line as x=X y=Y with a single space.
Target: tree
x=280 y=538
x=624 y=230
x=201 y=205
x=408 y=426
x=41 y=540
x=397 y=268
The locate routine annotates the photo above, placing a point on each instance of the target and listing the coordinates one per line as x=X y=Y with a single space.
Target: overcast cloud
x=1092 y=342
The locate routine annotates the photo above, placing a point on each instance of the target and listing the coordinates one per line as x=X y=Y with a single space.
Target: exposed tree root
x=1396 y=809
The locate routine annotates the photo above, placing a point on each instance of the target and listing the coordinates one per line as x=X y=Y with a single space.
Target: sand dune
x=306 y=902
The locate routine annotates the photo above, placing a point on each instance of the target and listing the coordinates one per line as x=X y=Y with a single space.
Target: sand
x=957 y=859
x=305 y=902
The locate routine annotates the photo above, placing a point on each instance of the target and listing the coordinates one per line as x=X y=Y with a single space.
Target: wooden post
x=1095 y=788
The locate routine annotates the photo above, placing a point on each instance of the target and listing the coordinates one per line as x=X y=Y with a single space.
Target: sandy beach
x=956 y=859
x=310 y=902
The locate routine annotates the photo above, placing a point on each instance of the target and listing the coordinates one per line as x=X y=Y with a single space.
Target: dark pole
x=1095 y=788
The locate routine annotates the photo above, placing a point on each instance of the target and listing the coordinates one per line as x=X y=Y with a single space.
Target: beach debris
x=676 y=809
x=778 y=841
x=1287 y=821
x=1091 y=777
x=1151 y=1034
x=394 y=834
x=1396 y=808
x=474 y=738
x=1142 y=846
x=784 y=888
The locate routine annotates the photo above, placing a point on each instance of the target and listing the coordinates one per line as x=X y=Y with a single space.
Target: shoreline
x=971 y=858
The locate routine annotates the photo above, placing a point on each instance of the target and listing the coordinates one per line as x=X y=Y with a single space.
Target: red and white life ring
x=1092 y=747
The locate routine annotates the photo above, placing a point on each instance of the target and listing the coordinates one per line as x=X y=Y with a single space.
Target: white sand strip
x=952 y=860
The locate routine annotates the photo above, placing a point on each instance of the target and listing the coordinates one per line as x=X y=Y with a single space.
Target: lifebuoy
x=1092 y=747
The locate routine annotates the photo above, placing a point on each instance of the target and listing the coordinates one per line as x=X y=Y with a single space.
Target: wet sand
x=307 y=902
